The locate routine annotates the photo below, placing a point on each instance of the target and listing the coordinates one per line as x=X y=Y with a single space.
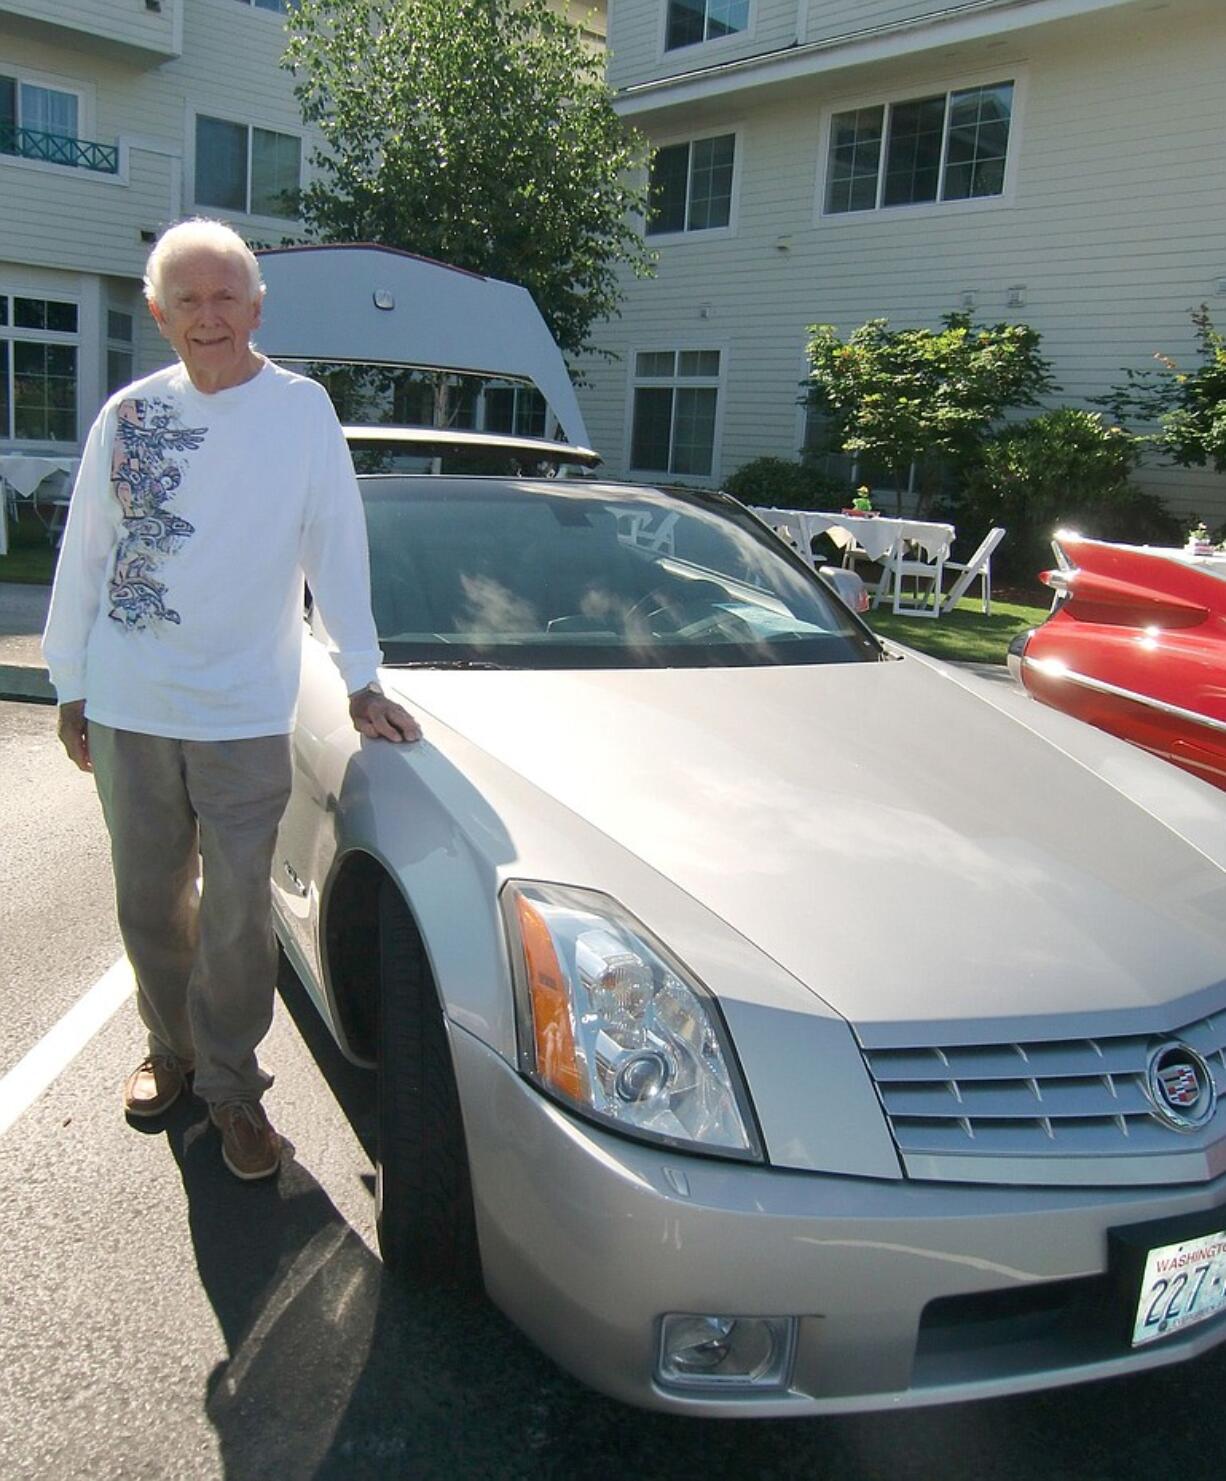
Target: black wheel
x=423 y=1197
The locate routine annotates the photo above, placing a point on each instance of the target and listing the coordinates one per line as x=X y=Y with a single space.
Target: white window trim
x=10 y=333
x=86 y=96
x=269 y=223
x=704 y=49
x=674 y=345
x=702 y=233
x=275 y=15
x=1006 y=72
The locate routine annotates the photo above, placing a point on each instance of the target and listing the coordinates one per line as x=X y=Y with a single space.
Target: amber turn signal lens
x=553 y=1036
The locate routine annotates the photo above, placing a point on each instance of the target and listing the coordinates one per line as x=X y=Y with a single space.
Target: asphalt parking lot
x=161 y=1320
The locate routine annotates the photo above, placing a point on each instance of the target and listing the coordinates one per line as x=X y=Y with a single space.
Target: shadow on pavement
x=338 y=1374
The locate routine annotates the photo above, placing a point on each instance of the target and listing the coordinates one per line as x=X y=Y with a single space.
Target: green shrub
x=899 y=397
x=1062 y=469
x=1189 y=406
x=783 y=483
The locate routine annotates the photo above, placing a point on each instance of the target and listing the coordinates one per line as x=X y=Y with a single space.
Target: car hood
x=893 y=837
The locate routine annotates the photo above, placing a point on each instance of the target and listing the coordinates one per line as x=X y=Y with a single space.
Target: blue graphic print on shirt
x=145 y=478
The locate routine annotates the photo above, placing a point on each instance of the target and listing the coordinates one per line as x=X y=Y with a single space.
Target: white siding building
x=117 y=117
x=1057 y=162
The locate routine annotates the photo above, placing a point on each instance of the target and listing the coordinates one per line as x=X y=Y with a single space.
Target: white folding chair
x=50 y=502
x=915 y=584
x=978 y=568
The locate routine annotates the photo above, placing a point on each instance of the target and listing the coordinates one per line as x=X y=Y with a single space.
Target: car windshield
x=559 y=574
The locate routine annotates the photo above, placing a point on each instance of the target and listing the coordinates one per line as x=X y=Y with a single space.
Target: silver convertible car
x=777 y=1022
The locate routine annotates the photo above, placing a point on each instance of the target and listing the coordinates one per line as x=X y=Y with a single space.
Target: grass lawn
x=966 y=635
x=31 y=559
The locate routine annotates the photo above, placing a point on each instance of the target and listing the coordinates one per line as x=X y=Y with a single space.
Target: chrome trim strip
x=1053 y=670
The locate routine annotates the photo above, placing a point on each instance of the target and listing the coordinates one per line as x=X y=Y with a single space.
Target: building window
x=281 y=5
x=675 y=397
x=947 y=147
x=119 y=327
x=38 y=369
x=691 y=21
x=241 y=168
x=516 y=410
x=38 y=122
x=691 y=185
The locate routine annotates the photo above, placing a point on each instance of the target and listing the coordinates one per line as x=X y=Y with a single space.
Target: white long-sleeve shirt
x=177 y=606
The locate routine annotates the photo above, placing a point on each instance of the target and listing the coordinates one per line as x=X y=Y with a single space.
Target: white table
x=880 y=537
x=21 y=476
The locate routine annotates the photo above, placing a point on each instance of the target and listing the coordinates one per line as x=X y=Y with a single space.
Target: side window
x=676 y=395
x=119 y=329
x=243 y=168
x=692 y=21
x=690 y=187
x=43 y=123
x=946 y=147
x=38 y=369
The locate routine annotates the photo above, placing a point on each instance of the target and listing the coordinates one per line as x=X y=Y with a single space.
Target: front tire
x=423 y=1197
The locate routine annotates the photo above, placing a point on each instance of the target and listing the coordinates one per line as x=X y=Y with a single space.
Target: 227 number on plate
x=1183 y=1284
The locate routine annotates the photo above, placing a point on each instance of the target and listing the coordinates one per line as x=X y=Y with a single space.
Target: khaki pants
x=205 y=962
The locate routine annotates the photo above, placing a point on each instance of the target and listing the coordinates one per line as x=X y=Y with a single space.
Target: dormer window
x=692 y=21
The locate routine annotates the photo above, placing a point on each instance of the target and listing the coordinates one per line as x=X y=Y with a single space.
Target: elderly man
x=207 y=492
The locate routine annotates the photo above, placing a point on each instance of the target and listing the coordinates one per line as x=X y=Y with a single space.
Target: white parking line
x=59 y=1046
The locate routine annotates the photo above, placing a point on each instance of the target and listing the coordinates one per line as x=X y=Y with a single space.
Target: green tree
x=1187 y=406
x=904 y=397
x=1066 y=468
x=479 y=132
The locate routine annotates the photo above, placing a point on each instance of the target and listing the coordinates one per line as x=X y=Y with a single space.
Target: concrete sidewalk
x=23 y=675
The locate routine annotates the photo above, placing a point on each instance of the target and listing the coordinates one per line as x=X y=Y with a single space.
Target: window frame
x=84 y=93
x=249 y=125
x=113 y=344
x=914 y=93
x=700 y=233
x=677 y=344
x=13 y=334
x=710 y=43
x=518 y=389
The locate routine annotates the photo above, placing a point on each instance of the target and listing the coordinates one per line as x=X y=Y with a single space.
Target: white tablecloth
x=23 y=473
x=882 y=539
x=876 y=534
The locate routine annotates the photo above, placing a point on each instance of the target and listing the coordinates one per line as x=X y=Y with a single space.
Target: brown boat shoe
x=250 y=1148
x=154 y=1085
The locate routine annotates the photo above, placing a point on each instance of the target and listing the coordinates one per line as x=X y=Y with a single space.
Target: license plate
x=1183 y=1284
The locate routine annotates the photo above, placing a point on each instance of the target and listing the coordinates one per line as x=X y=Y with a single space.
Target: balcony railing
x=57 y=149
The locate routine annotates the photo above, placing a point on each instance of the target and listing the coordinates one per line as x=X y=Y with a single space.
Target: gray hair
x=190 y=235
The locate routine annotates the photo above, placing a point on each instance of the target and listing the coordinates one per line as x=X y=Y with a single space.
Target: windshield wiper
x=445 y=663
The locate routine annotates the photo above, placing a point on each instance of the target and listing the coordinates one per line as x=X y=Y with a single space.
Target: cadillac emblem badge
x=1180 y=1087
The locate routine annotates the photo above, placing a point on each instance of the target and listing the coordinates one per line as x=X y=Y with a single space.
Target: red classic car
x=1136 y=644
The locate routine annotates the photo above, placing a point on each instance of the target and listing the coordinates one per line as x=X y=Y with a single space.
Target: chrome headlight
x=616 y=1028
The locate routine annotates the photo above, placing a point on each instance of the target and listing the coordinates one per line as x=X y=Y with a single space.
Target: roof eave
x=952 y=25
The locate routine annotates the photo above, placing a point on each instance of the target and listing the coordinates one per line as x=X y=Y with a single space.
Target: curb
x=25 y=683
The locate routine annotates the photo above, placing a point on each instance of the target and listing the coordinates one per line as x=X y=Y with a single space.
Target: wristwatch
x=374 y=687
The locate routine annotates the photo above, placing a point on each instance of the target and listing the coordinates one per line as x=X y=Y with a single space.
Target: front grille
x=1065 y=1097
